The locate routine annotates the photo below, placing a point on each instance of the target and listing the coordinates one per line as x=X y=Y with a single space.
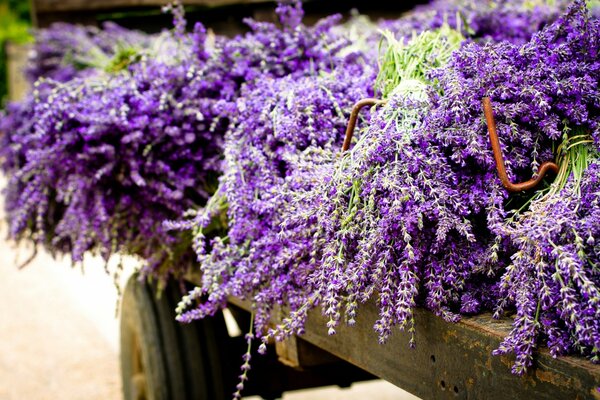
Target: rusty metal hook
x=353 y=116
x=500 y=167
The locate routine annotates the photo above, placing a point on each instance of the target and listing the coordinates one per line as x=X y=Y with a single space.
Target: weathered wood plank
x=142 y=14
x=296 y=352
x=213 y=13
x=16 y=61
x=44 y=6
x=455 y=360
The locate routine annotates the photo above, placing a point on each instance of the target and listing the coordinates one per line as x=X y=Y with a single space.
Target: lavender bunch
x=363 y=212
x=416 y=213
x=107 y=159
x=64 y=50
x=514 y=21
x=101 y=160
x=285 y=130
x=275 y=122
x=553 y=278
x=97 y=162
x=546 y=95
x=403 y=216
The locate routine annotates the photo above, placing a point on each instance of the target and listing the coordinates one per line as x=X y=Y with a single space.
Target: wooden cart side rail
x=453 y=361
x=223 y=16
x=140 y=14
x=44 y=6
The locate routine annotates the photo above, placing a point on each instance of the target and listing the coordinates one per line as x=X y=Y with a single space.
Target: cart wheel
x=162 y=359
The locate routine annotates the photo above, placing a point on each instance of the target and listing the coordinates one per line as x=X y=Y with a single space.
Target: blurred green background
x=15 y=28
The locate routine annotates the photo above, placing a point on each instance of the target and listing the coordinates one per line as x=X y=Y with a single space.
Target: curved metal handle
x=500 y=167
x=353 y=116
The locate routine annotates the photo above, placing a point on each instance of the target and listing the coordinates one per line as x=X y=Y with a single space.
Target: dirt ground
x=59 y=334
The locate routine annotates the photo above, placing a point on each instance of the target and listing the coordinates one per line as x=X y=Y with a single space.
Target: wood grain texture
x=296 y=352
x=453 y=361
x=45 y=6
x=16 y=61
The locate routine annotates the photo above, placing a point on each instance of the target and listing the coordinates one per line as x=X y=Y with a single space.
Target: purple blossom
x=236 y=147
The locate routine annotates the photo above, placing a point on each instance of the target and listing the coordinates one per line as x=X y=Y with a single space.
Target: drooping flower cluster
x=125 y=131
x=379 y=215
x=505 y=20
x=415 y=214
x=107 y=151
x=99 y=161
x=418 y=216
x=553 y=278
x=545 y=93
x=286 y=128
x=64 y=50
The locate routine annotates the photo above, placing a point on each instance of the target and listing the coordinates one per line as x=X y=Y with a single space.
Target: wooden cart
x=450 y=361
x=162 y=359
